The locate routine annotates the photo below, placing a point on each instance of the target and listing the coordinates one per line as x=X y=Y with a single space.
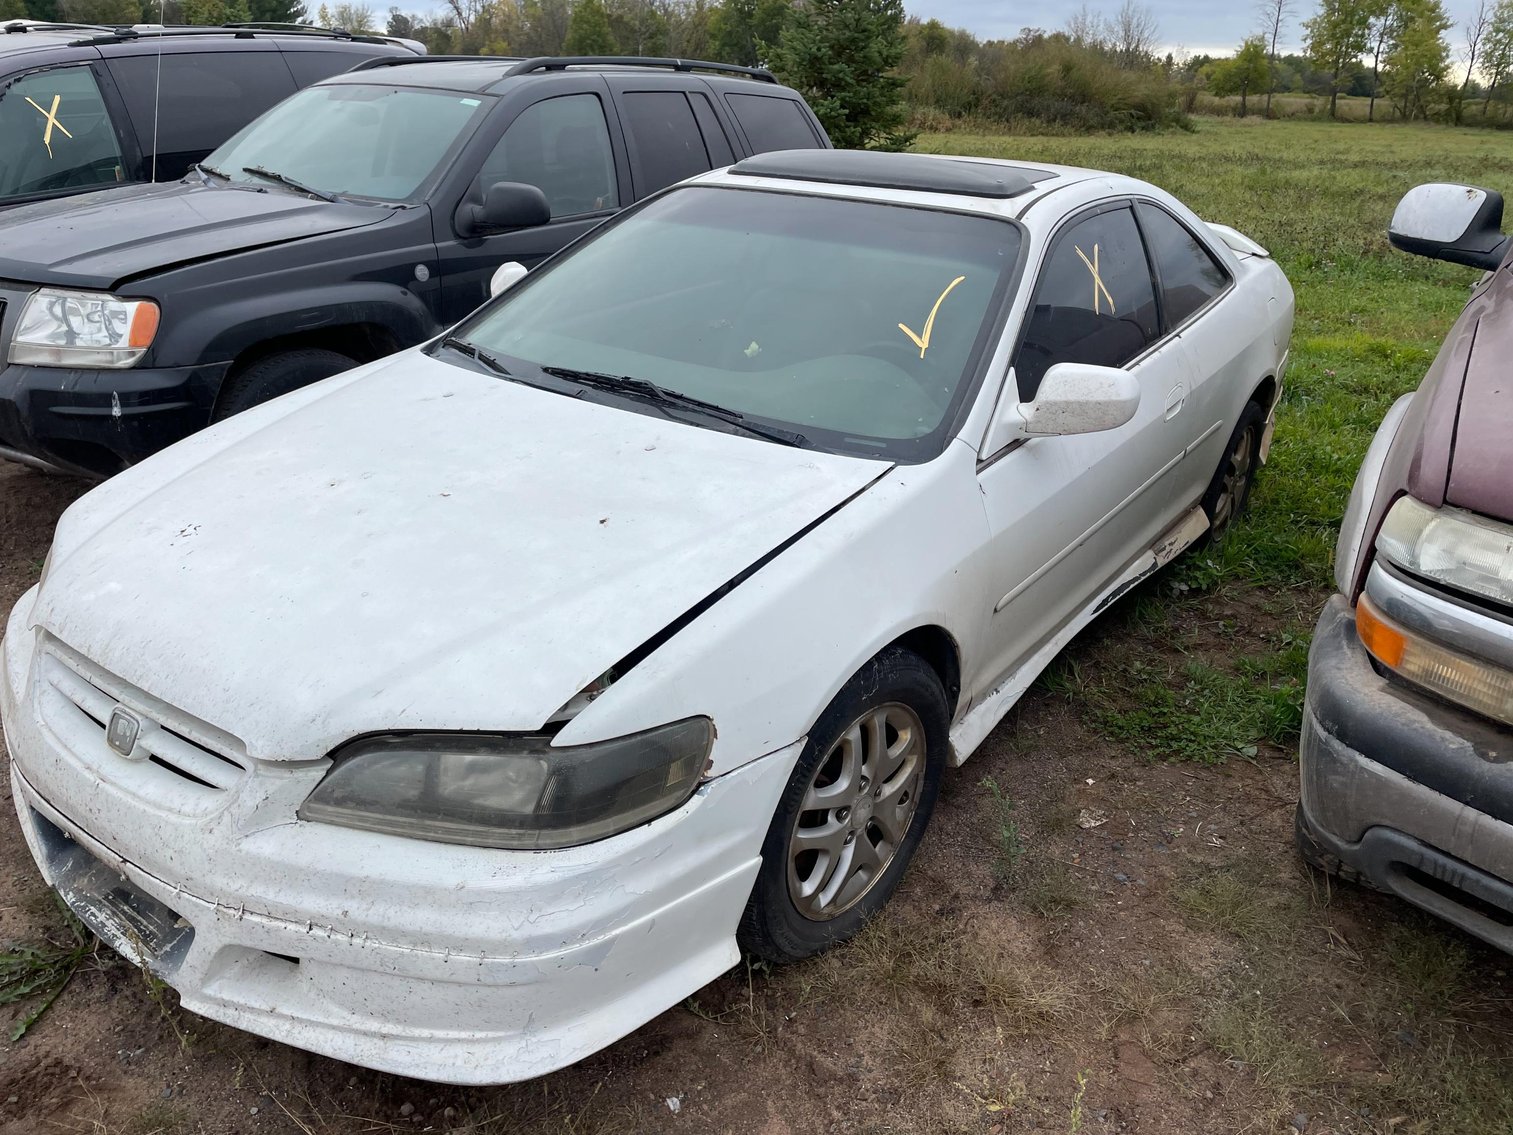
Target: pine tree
x=588 y=30
x=1337 y=37
x=842 y=56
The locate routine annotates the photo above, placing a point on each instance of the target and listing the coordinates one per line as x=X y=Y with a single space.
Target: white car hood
x=420 y=548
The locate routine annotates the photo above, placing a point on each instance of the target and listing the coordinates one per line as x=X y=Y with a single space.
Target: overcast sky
x=1192 y=25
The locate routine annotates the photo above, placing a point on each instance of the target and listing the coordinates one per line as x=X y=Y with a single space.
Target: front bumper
x=1404 y=791
x=97 y=422
x=460 y=965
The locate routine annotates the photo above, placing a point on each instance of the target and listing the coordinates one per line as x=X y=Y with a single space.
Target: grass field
x=1106 y=930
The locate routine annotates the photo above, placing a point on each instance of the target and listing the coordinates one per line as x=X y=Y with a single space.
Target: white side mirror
x=506 y=276
x=1076 y=398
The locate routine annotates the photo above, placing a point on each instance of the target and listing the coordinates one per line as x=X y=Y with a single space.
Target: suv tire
x=277 y=374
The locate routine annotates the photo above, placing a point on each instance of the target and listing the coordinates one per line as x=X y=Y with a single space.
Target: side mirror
x=1076 y=398
x=1458 y=223
x=506 y=205
x=506 y=276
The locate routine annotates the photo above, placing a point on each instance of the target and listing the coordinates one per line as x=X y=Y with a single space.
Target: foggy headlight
x=1455 y=548
x=1471 y=682
x=510 y=792
x=61 y=328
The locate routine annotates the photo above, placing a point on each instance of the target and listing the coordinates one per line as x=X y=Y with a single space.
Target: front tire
x=853 y=813
x=278 y=374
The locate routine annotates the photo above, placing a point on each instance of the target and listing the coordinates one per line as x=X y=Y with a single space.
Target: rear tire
x=853 y=813
x=277 y=374
x=1229 y=492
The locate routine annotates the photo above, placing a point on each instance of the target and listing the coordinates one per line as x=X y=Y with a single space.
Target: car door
x=1067 y=514
x=62 y=132
x=568 y=145
x=1193 y=283
x=671 y=131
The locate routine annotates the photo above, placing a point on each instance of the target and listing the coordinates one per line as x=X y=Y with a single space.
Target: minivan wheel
x=1229 y=491
x=853 y=813
x=277 y=374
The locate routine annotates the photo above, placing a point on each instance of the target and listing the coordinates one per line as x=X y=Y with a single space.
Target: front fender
x=767 y=658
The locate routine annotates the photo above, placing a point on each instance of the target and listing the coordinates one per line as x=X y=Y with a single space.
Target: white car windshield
x=858 y=325
x=350 y=139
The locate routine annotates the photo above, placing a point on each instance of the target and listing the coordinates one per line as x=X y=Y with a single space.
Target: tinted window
x=366 y=141
x=668 y=144
x=857 y=324
x=773 y=123
x=312 y=66
x=1095 y=302
x=1190 y=276
x=562 y=146
x=205 y=98
x=56 y=134
x=720 y=153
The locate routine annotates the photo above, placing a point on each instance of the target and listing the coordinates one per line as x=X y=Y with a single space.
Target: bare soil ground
x=1097 y=941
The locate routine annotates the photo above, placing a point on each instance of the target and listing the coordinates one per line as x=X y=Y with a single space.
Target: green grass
x=32 y=976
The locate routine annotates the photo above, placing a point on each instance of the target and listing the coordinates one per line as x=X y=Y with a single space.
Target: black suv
x=81 y=107
x=362 y=215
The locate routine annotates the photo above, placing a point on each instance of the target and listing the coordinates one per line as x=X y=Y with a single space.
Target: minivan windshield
x=350 y=139
x=858 y=325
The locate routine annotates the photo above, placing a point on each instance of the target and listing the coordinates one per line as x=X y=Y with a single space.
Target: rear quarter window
x=773 y=123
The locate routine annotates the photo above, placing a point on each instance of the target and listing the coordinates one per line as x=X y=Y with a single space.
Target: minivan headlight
x=1450 y=546
x=61 y=328
x=510 y=791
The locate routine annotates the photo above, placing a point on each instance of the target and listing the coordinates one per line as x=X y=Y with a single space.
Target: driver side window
x=1094 y=303
x=55 y=133
x=560 y=145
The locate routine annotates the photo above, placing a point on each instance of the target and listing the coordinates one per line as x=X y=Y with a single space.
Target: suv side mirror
x=506 y=276
x=506 y=205
x=1458 y=223
x=1077 y=398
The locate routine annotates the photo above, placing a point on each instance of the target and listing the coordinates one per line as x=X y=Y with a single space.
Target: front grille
x=177 y=762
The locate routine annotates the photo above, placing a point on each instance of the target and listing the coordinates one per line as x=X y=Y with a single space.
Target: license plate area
x=121 y=914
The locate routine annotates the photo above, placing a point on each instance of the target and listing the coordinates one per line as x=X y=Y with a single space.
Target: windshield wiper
x=473 y=351
x=661 y=396
x=210 y=171
x=285 y=179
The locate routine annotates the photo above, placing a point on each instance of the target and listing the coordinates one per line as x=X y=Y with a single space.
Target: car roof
x=995 y=186
x=493 y=73
x=21 y=36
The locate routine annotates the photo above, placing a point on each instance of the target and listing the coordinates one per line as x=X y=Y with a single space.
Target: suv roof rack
x=11 y=27
x=562 y=62
x=240 y=31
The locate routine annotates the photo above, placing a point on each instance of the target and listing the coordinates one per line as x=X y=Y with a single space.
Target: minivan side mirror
x=1458 y=223
x=506 y=276
x=506 y=205
x=1078 y=398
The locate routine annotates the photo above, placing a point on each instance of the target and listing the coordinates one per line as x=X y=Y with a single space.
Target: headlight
x=514 y=792
x=60 y=328
x=1457 y=677
x=1458 y=549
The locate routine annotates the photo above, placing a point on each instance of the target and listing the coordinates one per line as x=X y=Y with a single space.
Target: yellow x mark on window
x=923 y=341
x=1100 y=291
x=52 y=121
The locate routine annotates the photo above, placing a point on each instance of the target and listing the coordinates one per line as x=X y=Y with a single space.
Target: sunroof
x=893 y=171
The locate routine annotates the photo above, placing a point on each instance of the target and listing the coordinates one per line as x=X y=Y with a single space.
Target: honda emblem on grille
x=121 y=733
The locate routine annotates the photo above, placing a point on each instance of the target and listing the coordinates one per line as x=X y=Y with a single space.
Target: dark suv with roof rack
x=364 y=214
x=85 y=107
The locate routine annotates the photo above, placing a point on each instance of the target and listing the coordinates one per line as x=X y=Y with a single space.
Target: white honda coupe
x=458 y=714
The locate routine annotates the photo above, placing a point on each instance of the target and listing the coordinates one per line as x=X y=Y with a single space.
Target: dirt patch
x=1109 y=943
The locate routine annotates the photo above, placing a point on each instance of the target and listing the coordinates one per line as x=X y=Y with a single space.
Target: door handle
x=1176 y=398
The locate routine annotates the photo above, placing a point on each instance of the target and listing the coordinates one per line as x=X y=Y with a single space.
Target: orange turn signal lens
x=144 y=325
x=1382 y=638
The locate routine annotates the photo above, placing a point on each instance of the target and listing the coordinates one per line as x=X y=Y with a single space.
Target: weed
x=1074 y=1125
x=42 y=972
x=1007 y=844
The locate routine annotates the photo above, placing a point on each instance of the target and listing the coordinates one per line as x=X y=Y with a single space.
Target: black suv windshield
x=857 y=325
x=351 y=139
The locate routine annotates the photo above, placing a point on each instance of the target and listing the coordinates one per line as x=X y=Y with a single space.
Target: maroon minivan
x=1407 y=749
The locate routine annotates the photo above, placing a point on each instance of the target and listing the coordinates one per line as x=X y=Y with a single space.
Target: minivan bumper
x=1403 y=791
x=97 y=422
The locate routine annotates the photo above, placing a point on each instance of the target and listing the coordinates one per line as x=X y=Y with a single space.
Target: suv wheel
x=277 y=374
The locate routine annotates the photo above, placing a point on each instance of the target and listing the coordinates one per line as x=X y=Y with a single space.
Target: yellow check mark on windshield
x=52 y=120
x=923 y=341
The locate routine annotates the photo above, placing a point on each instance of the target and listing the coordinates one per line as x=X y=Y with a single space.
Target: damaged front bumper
x=455 y=964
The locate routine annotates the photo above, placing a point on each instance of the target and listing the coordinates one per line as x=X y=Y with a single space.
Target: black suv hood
x=99 y=240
